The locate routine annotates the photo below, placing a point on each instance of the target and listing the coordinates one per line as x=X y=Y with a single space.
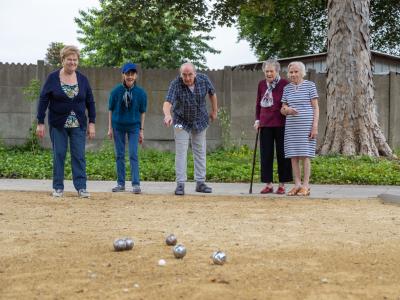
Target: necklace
x=69 y=78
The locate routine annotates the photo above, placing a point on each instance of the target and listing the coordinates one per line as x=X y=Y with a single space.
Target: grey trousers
x=198 y=140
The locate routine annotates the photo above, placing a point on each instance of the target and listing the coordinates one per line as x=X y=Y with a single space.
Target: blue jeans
x=59 y=140
x=133 y=142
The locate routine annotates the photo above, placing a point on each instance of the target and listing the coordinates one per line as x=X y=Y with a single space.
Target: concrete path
x=219 y=189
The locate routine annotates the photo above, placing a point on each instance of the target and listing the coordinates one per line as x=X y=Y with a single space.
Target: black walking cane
x=254 y=162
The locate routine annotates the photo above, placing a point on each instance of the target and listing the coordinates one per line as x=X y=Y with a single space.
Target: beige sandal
x=294 y=191
x=304 y=192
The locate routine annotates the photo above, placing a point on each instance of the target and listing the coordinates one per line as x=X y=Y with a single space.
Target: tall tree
x=154 y=33
x=352 y=126
x=295 y=27
x=53 y=57
x=284 y=28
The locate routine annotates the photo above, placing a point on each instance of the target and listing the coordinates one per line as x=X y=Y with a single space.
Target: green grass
x=222 y=166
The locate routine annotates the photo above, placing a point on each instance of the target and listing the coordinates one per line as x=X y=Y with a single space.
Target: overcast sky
x=27 y=27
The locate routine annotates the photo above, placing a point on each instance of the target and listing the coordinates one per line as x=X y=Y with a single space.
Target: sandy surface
x=277 y=248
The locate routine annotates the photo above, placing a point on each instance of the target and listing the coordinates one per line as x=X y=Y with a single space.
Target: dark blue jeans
x=77 y=139
x=133 y=141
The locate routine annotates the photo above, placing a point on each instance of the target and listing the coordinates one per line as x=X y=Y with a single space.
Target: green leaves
x=276 y=28
x=233 y=165
x=284 y=28
x=53 y=56
x=32 y=91
x=385 y=26
x=356 y=170
x=156 y=34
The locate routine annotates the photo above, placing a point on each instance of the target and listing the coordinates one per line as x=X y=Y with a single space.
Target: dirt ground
x=277 y=248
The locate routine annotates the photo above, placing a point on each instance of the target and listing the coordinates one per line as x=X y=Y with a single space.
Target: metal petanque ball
x=129 y=243
x=179 y=251
x=119 y=245
x=171 y=240
x=219 y=258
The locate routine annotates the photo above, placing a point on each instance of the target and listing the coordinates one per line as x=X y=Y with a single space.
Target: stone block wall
x=236 y=91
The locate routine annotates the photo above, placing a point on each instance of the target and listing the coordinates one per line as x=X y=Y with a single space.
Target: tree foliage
x=53 y=54
x=153 y=33
x=284 y=28
x=385 y=26
x=164 y=33
x=295 y=27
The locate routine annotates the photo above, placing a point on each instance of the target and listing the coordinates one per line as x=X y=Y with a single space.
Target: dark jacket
x=60 y=105
x=271 y=116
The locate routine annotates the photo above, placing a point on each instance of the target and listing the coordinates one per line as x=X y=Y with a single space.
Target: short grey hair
x=187 y=64
x=301 y=66
x=271 y=62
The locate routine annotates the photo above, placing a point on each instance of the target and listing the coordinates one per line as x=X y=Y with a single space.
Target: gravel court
x=277 y=247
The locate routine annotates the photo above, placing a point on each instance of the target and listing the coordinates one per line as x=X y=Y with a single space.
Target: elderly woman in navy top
x=127 y=107
x=186 y=97
x=67 y=95
x=300 y=106
x=271 y=124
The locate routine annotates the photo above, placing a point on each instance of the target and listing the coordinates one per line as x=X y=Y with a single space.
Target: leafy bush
x=232 y=165
x=31 y=94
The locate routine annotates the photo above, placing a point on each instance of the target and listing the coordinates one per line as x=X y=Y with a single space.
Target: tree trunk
x=352 y=127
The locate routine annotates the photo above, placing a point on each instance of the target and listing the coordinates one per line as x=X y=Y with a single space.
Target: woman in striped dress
x=300 y=106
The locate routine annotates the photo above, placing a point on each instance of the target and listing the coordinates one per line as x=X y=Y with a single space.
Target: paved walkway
x=220 y=189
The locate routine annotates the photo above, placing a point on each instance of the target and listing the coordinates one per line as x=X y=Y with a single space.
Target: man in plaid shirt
x=186 y=98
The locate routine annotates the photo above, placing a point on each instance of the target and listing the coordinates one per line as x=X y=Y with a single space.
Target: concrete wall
x=236 y=92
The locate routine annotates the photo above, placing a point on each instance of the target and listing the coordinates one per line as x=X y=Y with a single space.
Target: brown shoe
x=304 y=192
x=294 y=191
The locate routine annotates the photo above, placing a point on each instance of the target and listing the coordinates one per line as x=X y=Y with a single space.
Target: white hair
x=187 y=64
x=271 y=62
x=300 y=65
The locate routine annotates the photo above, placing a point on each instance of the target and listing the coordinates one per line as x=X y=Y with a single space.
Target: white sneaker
x=58 y=193
x=83 y=193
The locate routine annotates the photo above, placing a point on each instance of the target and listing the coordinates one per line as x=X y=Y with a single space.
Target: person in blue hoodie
x=67 y=96
x=127 y=107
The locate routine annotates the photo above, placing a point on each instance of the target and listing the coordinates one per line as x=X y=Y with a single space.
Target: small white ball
x=162 y=262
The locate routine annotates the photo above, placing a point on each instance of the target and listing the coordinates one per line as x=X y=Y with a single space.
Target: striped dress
x=298 y=127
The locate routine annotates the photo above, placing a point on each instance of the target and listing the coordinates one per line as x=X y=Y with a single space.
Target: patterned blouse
x=71 y=90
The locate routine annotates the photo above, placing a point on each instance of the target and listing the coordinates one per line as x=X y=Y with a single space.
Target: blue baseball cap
x=128 y=67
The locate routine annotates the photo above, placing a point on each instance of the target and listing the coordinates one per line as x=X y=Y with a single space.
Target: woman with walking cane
x=271 y=125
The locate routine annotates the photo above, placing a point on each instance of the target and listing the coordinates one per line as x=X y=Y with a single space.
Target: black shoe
x=201 y=187
x=180 y=189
